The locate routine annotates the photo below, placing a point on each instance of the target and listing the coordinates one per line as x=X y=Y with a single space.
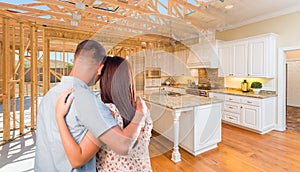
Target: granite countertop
x=179 y=102
x=234 y=91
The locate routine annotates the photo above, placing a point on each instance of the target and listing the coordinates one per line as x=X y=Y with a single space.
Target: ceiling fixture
x=79 y=5
x=76 y=16
x=74 y=23
x=229 y=6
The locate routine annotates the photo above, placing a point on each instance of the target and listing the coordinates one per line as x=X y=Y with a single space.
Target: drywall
x=286 y=26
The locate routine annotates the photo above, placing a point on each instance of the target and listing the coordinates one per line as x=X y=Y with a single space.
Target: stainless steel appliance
x=153 y=73
x=201 y=90
x=198 y=92
x=152 y=80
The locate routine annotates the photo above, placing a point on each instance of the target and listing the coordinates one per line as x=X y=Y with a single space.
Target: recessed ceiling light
x=228 y=6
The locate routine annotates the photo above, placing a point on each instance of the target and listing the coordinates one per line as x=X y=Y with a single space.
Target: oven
x=153 y=73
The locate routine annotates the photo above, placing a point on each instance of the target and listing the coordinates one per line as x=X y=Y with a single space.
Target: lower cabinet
x=199 y=127
x=255 y=114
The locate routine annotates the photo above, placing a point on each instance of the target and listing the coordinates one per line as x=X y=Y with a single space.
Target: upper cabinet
x=250 y=57
x=171 y=64
x=203 y=55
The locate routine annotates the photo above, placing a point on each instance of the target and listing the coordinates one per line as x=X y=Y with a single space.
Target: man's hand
x=63 y=103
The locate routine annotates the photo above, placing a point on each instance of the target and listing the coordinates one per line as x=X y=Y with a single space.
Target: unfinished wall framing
x=25 y=72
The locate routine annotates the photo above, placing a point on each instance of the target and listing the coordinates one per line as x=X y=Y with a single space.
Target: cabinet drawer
x=232 y=107
x=232 y=98
x=249 y=101
x=216 y=95
x=231 y=117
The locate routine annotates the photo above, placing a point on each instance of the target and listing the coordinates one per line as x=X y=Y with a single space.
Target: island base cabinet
x=199 y=127
x=206 y=131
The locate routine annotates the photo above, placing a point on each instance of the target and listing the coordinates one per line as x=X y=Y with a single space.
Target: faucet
x=172 y=79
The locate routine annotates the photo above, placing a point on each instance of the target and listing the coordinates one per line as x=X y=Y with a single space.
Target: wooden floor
x=239 y=150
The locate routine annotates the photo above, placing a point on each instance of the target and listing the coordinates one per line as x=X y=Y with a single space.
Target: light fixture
x=80 y=6
x=76 y=16
x=74 y=23
x=228 y=6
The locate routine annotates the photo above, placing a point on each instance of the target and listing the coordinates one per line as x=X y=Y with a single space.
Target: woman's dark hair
x=117 y=86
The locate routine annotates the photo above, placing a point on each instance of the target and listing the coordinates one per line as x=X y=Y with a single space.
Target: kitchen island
x=191 y=122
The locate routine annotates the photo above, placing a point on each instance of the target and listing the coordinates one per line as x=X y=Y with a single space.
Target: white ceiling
x=243 y=12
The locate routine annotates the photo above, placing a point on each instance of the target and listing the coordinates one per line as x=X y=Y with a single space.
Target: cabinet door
x=225 y=57
x=240 y=56
x=250 y=115
x=179 y=68
x=257 y=57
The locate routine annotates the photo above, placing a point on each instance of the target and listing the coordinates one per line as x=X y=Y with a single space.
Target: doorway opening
x=292 y=90
x=282 y=87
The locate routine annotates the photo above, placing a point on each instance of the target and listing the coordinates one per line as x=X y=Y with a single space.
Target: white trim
x=261 y=18
x=281 y=87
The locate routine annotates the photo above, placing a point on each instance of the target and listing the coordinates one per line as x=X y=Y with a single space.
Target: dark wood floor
x=240 y=150
x=293 y=119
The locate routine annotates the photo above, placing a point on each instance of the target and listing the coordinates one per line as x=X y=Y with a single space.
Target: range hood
x=203 y=55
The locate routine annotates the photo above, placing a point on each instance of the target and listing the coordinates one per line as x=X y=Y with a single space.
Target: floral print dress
x=137 y=160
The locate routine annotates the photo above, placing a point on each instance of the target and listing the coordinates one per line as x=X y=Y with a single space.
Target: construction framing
x=27 y=39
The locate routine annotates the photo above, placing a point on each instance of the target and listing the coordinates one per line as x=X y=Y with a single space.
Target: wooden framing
x=29 y=33
x=46 y=64
x=13 y=76
x=33 y=75
x=5 y=71
x=21 y=77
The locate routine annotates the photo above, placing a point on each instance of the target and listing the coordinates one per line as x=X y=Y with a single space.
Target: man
x=86 y=113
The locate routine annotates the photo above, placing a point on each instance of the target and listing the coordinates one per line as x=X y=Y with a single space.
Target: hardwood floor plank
x=240 y=150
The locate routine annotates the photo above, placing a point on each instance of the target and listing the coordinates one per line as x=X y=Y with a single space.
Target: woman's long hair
x=117 y=86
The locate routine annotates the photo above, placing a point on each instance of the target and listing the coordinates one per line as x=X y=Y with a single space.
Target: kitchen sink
x=174 y=94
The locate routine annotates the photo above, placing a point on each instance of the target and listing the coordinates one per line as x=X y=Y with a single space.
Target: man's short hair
x=99 y=52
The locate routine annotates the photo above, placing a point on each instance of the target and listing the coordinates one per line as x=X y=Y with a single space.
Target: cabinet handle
x=230 y=118
x=230 y=107
x=241 y=107
x=249 y=102
x=248 y=74
x=230 y=99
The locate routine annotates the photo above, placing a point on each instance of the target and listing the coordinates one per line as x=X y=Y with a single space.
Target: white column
x=176 y=154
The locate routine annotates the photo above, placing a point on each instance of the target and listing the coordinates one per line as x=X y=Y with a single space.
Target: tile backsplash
x=210 y=75
x=201 y=75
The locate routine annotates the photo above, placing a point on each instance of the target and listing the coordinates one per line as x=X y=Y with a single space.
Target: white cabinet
x=262 y=59
x=249 y=57
x=180 y=68
x=170 y=64
x=250 y=113
x=199 y=127
x=250 y=116
x=150 y=58
x=226 y=59
x=240 y=56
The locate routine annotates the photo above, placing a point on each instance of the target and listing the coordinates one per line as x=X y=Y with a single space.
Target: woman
x=118 y=92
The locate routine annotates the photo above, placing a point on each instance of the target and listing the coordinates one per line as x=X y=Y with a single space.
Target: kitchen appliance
x=153 y=73
x=198 y=92
x=152 y=80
